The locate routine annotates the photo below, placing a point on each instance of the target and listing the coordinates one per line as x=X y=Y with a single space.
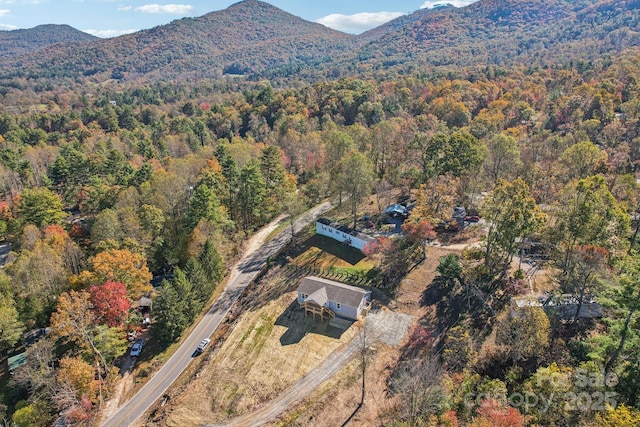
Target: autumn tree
x=503 y=157
x=587 y=214
x=292 y=206
x=588 y=267
x=76 y=389
x=620 y=416
x=40 y=277
x=419 y=233
x=436 y=199
x=355 y=180
x=121 y=265
x=512 y=214
x=273 y=171
x=525 y=333
x=492 y=414
x=74 y=322
x=582 y=160
x=627 y=297
x=418 y=386
x=106 y=226
x=110 y=303
x=392 y=261
x=458 y=351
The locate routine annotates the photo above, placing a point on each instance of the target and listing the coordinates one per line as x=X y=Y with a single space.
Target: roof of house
x=17 y=361
x=319 y=297
x=396 y=208
x=564 y=307
x=347 y=230
x=319 y=288
x=144 y=302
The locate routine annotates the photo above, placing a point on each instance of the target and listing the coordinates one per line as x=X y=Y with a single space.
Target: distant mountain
x=16 y=42
x=246 y=37
x=254 y=38
x=505 y=32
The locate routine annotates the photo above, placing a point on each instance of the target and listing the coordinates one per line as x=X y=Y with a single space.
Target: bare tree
x=418 y=386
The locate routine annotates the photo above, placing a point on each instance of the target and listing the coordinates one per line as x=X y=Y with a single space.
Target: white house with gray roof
x=343 y=234
x=323 y=296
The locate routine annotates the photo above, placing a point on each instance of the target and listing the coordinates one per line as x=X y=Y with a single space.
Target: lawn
x=328 y=254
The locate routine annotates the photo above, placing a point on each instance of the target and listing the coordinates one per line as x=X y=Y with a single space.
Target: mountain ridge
x=20 y=41
x=252 y=37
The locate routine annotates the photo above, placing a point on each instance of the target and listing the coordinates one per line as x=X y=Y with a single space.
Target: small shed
x=322 y=296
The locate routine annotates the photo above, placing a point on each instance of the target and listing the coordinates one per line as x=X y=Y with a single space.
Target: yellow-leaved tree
x=121 y=265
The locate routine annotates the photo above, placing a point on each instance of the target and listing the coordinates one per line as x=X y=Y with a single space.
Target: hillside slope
x=245 y=37
x=254 y=38
x=16 y=42
x=506 y=32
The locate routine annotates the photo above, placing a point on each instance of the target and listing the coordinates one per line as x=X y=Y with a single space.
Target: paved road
x=241 y=276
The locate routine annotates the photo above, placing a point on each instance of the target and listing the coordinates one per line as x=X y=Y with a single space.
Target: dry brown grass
x=253 y=364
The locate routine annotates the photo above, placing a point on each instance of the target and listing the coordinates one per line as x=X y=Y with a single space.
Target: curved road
x=243 y=273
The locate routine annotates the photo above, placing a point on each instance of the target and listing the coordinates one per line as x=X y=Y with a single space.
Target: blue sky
x=110 y=18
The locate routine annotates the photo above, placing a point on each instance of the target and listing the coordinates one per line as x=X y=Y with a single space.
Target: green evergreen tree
x=212 y=262
x=251 y=196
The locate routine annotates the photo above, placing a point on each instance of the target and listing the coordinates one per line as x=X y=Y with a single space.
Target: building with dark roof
x=322 y=296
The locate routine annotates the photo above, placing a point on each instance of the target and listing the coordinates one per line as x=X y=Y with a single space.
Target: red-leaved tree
x=419 y=233
x=492 y=414
x=110 y=303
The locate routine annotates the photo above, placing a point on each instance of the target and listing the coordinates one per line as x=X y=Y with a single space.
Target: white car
x=136 y=348
x=203 y=344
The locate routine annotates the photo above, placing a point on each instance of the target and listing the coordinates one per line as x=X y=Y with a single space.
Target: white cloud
x=124 y=8
x=358 y=22
x=4 y=12
x=172 y=9
x=105 y=34
x=8 y=27
x=457 y=3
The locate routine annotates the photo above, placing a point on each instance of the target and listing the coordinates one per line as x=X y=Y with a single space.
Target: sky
x=111 y=18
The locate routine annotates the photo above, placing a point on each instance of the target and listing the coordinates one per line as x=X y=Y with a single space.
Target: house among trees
x=563 y=306
x=343 y=234
x=322 y=296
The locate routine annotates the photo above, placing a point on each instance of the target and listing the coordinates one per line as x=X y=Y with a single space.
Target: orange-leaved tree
x=121 y=265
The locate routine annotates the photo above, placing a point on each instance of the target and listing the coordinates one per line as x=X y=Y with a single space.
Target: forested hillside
x=502 y=32
x=19 y=42
x=103 y=187
x=256 y=40
x=246 y=37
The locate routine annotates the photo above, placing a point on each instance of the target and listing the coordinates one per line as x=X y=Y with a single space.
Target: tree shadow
x=299 y=325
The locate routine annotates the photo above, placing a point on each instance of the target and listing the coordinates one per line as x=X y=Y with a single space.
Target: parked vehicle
x=203 y=344
x=136 y=348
